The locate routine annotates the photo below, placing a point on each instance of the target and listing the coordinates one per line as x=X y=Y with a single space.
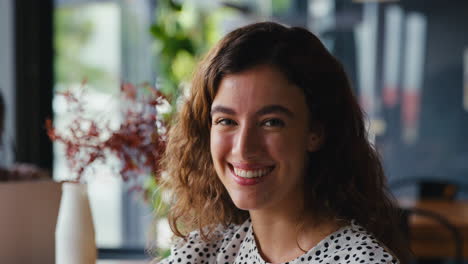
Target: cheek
x=276 y=145
x=286 y=147
x=219 y=146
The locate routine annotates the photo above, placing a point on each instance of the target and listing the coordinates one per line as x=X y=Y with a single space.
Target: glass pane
x=7 y=82
x=87 y=45
x=99 y=45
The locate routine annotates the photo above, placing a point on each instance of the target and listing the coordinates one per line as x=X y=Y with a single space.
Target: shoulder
x=353 y=244
x=194 y=249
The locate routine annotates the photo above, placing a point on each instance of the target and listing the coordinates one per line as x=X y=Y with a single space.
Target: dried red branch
x=138 y=142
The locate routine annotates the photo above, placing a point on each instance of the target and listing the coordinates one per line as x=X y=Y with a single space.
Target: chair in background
x=406 y=213
x=431 y=189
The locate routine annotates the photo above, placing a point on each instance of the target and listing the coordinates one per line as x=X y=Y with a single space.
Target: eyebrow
x=264 y=111
x=275 y=109
x=222 y=109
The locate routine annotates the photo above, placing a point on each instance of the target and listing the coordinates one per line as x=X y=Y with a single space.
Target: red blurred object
x=390 y=96
x=139 y=142
x=410 y=108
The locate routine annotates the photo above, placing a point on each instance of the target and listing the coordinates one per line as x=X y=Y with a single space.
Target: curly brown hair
x=346 y=178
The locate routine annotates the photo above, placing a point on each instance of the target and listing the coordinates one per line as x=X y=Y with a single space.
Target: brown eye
x=274 y=122
x=225 y=122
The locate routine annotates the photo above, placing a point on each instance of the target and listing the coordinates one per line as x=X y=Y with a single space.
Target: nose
x=248 y=143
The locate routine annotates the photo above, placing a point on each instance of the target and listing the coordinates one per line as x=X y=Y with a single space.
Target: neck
x=285 y=235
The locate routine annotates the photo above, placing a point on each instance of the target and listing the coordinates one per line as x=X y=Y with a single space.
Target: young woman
x=269 y=162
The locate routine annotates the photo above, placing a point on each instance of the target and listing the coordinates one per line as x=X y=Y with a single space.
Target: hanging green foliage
x=183 y=32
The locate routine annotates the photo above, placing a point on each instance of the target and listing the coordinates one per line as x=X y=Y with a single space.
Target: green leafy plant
x=73 y=32
x=182 y=32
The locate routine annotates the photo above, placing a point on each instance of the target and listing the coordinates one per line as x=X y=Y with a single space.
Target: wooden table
x=428 y=237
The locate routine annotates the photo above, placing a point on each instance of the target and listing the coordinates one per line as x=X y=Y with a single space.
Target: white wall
x=7 y=77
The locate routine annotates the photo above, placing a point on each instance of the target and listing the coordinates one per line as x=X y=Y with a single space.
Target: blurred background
x=407 y=60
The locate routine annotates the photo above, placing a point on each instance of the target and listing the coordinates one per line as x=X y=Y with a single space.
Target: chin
x=245 y=204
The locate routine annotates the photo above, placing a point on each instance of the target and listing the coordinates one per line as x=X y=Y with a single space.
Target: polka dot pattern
x=236 y=244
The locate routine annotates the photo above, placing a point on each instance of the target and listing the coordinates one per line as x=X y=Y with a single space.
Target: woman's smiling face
x=260 y=137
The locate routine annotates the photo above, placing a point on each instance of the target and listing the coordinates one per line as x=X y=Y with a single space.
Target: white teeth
x=251 y=173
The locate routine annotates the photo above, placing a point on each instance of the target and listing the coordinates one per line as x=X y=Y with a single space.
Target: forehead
x=257 y=87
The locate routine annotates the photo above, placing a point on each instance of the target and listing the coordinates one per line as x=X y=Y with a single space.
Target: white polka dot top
x=236 y=244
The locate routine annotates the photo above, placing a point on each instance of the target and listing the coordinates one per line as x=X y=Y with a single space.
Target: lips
x=248 y=174
x=252 y=173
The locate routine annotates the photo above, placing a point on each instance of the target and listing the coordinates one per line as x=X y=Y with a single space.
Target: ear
x=315 y=140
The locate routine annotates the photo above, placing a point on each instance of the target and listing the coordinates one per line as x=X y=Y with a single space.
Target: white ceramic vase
x=74 y=234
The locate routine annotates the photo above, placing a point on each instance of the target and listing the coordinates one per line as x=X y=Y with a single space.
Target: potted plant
x=138 y=142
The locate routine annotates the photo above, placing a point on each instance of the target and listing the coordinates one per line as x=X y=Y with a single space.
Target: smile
x=248 y=175
x=252 y=173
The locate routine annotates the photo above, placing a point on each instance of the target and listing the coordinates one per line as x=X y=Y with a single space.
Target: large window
x=99 y=45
